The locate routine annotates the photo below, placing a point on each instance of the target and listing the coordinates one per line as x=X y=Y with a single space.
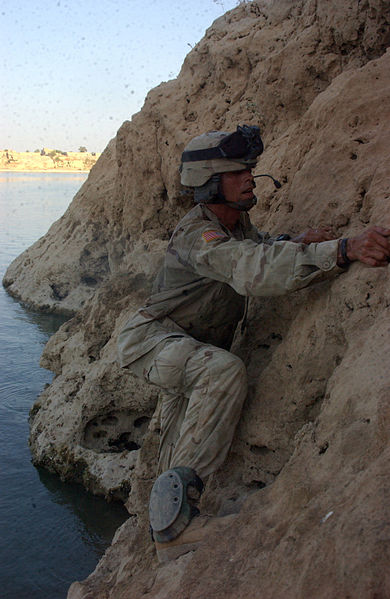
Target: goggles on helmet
x=244 y=144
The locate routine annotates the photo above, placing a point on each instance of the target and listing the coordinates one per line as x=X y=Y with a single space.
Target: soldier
x=180 y=340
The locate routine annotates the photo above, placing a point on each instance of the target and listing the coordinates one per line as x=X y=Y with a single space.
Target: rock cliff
x=307 y=476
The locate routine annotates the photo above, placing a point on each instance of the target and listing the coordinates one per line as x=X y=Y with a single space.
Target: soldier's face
x=238 y=185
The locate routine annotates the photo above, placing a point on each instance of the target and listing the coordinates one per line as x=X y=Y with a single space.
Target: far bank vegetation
x=48 y=159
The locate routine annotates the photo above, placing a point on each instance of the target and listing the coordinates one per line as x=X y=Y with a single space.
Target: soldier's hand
x=315 y=236
x=371 y=247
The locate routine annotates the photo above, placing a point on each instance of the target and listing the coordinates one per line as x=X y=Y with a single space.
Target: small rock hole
x=323 y=448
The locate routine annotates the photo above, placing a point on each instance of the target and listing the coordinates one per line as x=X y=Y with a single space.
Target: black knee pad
x=171 y=507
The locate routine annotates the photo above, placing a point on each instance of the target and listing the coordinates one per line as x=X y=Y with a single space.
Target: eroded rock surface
x=307 y=475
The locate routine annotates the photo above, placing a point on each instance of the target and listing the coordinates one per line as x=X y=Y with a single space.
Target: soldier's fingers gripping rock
x=371 y=247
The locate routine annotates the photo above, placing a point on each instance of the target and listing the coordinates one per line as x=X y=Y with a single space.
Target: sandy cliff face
x=307 y=476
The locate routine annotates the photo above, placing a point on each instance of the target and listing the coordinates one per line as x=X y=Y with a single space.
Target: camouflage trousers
x=204 y=389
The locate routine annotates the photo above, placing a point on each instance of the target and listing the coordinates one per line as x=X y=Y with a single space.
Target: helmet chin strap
x=210 y=193
x=242 y=205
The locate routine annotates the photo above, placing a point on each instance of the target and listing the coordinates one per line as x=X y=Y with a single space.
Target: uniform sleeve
x=259 y=236
x=252 y=232
x=261 y=269
x=263 y=237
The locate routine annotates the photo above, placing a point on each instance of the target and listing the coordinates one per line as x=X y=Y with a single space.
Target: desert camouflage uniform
x=180 y=339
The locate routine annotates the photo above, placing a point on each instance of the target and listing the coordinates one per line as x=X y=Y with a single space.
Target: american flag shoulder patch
x=212 y=235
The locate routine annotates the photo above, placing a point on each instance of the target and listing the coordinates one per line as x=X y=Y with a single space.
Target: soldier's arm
x=260 y=269
x=315 y=235
x=308 y=236
x=266 y=270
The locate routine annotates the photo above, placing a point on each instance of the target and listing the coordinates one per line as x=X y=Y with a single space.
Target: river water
x=51 y=533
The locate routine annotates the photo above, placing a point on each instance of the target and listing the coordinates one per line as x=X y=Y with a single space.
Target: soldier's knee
x=229 y=365
x=237 y=367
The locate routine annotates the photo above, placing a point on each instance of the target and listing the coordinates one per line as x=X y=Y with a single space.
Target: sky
x=71 y=71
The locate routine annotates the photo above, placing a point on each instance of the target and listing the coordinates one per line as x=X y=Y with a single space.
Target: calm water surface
x=51 y=533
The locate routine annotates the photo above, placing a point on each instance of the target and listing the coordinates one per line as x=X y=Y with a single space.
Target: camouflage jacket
x=207 y=273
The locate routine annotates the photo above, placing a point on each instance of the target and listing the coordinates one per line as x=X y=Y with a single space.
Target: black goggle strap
x=243 y=143
x=208 y=154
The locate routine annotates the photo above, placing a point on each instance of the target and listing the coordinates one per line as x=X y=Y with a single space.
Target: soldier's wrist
x=343 y=257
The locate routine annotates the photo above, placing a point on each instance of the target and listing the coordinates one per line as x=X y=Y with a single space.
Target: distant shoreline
x=48 y=170
x=47 y=161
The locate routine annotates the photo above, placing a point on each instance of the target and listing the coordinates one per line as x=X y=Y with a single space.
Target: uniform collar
x=243 y=223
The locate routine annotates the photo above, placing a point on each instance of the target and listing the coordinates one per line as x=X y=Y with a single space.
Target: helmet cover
x=219 y=152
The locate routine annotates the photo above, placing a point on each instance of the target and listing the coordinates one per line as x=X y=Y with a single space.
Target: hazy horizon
x=73 y=72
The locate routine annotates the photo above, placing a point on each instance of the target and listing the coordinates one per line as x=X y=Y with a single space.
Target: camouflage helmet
x=218 y=152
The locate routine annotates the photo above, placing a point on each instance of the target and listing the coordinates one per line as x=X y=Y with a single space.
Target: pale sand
x=48 y=170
